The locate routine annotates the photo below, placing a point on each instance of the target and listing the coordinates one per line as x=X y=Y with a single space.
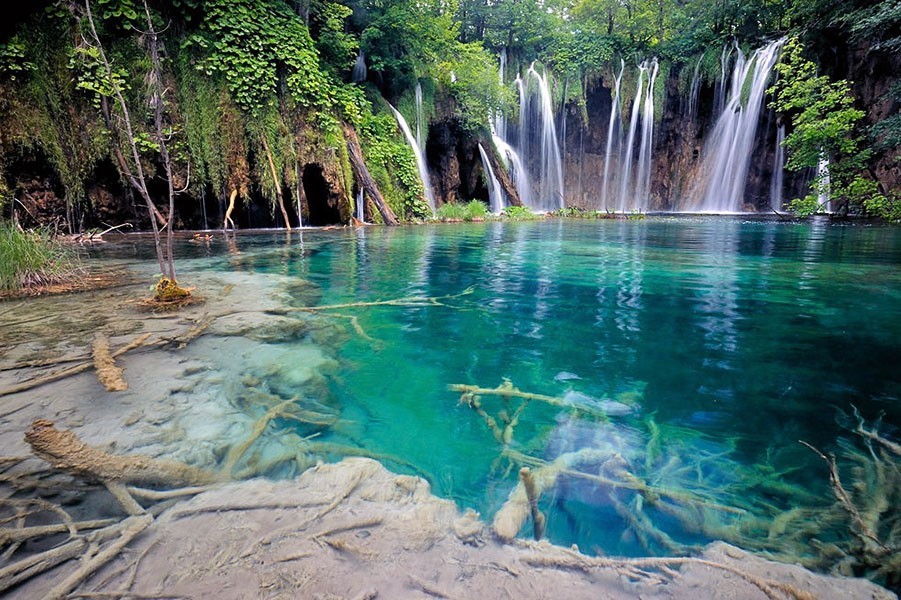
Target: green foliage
x=32 y=258
x=13 y=61
x=520 y=213
x=824 y=124
x=337 y=49
x=391 y=162
x=474 y=210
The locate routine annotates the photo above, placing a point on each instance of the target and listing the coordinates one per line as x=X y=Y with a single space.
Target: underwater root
x=63 y=450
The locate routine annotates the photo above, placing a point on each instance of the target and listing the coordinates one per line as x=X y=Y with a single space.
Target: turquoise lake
x=715 y=343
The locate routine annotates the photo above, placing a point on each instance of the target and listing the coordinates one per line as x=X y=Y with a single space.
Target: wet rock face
x=453 y=158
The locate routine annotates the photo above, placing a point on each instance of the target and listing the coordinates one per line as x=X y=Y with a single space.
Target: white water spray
x=551 y=172
x=420 y=158
x=626 y=164
x=614 y=131
x=727 y=153
x=643 y=175
x=495 y=194
x=776 y=182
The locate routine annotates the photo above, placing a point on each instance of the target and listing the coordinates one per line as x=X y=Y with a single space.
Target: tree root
x=859 y=528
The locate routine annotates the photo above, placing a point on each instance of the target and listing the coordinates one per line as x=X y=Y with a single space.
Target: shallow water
x=732 y=338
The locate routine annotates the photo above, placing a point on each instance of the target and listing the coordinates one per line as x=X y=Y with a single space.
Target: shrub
x=32 y=258
x=519 y=213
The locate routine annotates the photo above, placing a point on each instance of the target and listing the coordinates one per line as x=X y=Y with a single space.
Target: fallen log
x=364 y=178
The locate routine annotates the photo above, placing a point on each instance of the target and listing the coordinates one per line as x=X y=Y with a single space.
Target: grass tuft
x=31 y=259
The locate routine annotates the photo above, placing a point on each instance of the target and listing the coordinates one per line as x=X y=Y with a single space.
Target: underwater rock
x=610 y=407
x=565 y=376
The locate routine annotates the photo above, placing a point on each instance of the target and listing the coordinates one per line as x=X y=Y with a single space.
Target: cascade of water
x=359 y=206
x=517 y=168
x=500 y=122
x=359 y=72
x=643 y=175
x=495 y=195
x=778 y=178
x=727 y=152
x=551 y=172
x=614 y=131
x=694 y=91
x=420 y=158
x=626 y=161
x=524 y=120
x=420 y=119
x=719 y=96
x=824 y=192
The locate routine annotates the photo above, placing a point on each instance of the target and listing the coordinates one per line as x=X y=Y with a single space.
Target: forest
x=238 y=112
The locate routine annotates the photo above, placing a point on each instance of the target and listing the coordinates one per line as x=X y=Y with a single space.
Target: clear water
x=734 y=338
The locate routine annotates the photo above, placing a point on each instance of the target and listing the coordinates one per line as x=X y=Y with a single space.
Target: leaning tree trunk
x=364 y=178
x=500 y=171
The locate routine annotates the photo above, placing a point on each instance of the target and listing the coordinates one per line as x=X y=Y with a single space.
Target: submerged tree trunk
x=364 y=178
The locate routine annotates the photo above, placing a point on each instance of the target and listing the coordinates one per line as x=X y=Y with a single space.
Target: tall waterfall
x=778 y=178
x=499 y=121
x=614 y=131
x=626 y=164
x=495 y=194
x=694 y=91
x=643 y=176
x=550 y=179
x=727 y=152
x=420 y=158
x=420 y=118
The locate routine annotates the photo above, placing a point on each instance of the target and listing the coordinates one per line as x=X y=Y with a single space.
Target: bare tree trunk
x=156 y=100
x=136 y=177
x=364 y=178
x=276 y=181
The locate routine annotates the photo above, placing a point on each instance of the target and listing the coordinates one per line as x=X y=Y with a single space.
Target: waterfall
x=614 y=128
x=500 y=122
x=495 y=195
x=359 y=206
x=626 y=162
x=694 y=91
x=420 y=119
x=359 y=72
x=420 y=158
x=776 y=182
x=823 y=184
x=719 y=97
x=727 y=152
x=523 y=120
x=551 y=172
x=643 y=176
x=517 y=169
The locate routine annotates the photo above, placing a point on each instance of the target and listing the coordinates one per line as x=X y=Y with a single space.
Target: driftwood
x=364 y=178
x=73 y=370
x=63 y=450
x=108 y=373
x=500 y=171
